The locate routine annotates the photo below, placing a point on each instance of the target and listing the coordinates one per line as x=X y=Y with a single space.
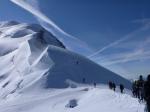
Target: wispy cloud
x=140 y=52
x=128 y=36
x=144 y=21
x=128 y=55
x=136 y=44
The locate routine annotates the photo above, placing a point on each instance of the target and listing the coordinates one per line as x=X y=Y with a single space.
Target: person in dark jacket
x=114 y=86
x=110 y=85
x=121 y=88
x=134 y=89
x=140 y=86
x=137 y=89
x=147 y=92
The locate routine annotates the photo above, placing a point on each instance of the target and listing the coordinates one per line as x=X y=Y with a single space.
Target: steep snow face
x=32 y=59
x=24 y=59
x=73 y=67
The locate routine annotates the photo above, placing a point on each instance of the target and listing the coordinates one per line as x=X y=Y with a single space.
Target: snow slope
x=82 y=99
x=25 y=50
x=74 y=67
x=36 y=70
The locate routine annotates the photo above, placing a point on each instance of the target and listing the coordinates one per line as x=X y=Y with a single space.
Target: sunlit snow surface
x=87 y=98
x=37 y=69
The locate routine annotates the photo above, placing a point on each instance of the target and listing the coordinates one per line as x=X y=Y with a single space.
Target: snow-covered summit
x=30 y=56
x=35 y=66
x=32 y=59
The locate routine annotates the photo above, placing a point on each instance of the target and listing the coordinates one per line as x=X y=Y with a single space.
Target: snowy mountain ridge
x=34 y=63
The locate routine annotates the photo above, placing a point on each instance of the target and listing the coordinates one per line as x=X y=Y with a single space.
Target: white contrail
x=130 y=35
x=71 y=42
x=37 y=13
x=108 y=46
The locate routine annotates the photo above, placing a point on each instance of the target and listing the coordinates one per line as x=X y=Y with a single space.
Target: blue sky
x=117 y=29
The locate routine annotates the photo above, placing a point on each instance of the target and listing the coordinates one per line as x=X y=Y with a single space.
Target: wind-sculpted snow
x=23 y=56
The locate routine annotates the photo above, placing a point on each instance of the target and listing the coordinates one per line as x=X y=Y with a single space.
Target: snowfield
x=39 y=74
x=86 y=99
